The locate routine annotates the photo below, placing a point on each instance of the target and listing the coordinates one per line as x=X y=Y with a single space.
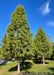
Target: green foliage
x=0 y=52
x=42 y=44
x=4 y=47
x=19 y=39
x=19 y=43
x=52 y=56
x=10 y=41
x=22 y=32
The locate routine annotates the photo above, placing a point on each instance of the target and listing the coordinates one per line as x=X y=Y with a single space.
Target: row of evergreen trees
x=18 y=43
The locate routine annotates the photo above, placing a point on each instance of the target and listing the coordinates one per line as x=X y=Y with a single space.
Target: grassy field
x=11 y=68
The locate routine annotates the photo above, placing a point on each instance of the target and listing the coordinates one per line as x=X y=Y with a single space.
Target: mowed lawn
x=11 y=68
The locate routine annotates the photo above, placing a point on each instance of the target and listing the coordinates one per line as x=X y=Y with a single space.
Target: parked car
x=2 y=61
x=13 y=59
x=5 y=61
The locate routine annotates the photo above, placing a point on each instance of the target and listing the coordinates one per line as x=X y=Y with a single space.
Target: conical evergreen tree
x=4 y=54
x=19 y=36
x=42 y=44
x=8 y=46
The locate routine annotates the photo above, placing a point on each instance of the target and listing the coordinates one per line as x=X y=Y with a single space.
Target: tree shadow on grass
x=51 y=68
x=2 y=64
x=27 y=66
x=39 y=61
x=13 y=68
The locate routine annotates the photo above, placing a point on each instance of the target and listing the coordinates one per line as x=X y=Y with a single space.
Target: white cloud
x=44 y=9
x=51 y=23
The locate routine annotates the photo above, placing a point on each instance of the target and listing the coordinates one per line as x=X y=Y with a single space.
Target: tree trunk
x=24 y=63
x=43 y=60
x=18 y=65
x=19 y=61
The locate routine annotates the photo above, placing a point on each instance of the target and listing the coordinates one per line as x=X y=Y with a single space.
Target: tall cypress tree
x=19 y=36
x=4 y=53
x=42 y=44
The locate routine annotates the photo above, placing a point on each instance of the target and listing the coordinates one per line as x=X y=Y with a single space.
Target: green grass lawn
x=11 y=68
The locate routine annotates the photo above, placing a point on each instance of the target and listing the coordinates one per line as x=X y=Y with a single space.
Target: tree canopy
x=42 y=44
x=19 y=39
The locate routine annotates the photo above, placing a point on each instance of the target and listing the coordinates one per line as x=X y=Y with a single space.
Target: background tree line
x=18 y=43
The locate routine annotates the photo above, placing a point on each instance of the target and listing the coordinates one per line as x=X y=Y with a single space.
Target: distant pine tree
x=4 y=53
x=42 y=45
